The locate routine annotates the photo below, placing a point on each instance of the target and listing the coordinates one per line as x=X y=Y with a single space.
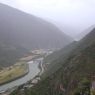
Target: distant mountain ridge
x=29 y=31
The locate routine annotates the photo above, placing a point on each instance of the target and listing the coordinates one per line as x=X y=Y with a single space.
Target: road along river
x=33 y=71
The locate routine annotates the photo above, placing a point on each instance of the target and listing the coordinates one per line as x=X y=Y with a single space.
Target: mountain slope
x=20 y=32
x=29 y=31
x=74 y=75
x=10 y=54
x=84 y=33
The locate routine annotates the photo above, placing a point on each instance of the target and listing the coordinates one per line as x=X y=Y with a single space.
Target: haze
x=71 y=16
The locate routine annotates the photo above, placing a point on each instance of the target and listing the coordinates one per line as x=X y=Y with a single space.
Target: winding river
x=33 y=71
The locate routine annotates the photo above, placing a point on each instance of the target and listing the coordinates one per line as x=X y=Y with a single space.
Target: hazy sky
x=72 y=16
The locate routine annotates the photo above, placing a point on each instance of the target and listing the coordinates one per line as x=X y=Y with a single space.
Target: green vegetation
x=92 y=92
x=10 y=54
x=83 y=87
x=68 y=73
x=11 y=73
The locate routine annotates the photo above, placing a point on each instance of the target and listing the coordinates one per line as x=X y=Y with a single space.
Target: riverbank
x=32 y=82
x=13 y=73
x=35 y=70
x=14 y=78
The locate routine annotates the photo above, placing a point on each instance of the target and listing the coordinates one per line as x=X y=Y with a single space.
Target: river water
x=33 y=71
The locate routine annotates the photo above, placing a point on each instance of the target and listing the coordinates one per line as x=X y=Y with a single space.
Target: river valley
x=33 y=71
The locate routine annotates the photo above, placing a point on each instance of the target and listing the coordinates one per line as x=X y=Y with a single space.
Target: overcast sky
x=72 y=16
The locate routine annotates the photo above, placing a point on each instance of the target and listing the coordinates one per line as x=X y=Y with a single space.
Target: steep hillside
x=74 y=75
x=57 y=59
x=29 y=31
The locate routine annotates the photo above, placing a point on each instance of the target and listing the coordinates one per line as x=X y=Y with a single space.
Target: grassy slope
x=13 y=72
